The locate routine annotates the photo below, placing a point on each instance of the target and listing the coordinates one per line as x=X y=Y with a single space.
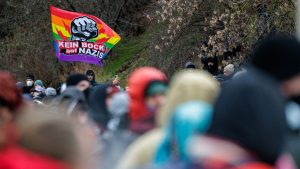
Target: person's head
x=119 y=104
x=38 y=83
x=190 y=65
x=155 y=95
x=291 y=87
x=10 y=103
x=229 y=70
x=51 y=134
x=80 y=81
x=119 y=108
x=29 y=80
x=144 y=103
x=38 y=90
x=116 y=81
x=186 y=86
x=50 y=92
x=279 y=57
x=20 y=85
x=147 y=86
x=90 y=75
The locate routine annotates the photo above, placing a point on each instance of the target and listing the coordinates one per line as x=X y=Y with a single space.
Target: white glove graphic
x=83 y=29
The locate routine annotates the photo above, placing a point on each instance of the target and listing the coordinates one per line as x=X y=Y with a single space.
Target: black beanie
x=279 y=56
x=30 y=77
x=74 y=79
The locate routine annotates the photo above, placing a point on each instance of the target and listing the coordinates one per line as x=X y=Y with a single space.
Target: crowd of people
x=197 y=119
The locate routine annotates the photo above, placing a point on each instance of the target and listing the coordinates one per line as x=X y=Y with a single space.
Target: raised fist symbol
x=83 y=29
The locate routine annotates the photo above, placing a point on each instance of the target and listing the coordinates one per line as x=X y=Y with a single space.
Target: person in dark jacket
x=250 y=109
x=91 y=77
x=99 y=101
x=210 y=64
x=80 y=81
x=227 y=74
x=27 y=89
x=118 y=125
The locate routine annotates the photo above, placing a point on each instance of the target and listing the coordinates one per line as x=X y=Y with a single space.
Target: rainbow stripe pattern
x=89 y=50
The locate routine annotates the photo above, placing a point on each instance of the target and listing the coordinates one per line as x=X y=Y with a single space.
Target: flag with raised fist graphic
x=81 y=37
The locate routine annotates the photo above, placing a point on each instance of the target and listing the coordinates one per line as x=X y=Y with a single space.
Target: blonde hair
x=188 y=85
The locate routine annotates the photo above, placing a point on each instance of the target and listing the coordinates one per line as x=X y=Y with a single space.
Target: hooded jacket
x=188 y=118
x=187 y=85
x=97 y=104
x=141 y=119
x=212 y=69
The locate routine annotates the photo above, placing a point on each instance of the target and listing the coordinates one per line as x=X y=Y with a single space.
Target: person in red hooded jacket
x=147 y=88
x=12 y=155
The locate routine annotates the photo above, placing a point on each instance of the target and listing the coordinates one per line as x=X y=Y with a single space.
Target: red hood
x=14 y=157
x=137 y=83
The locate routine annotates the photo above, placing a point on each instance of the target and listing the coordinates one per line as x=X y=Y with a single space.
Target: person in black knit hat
x=278 y=56
x=250 y=111
x=29 y=84
x=80 y=81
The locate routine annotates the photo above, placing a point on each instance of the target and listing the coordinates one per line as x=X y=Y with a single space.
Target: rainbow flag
x=81 y=37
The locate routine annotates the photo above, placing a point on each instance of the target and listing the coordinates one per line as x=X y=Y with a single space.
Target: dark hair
x=74 y=79
x=30 y=77
x=279 y=56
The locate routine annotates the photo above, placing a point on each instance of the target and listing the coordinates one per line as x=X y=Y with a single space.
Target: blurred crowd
x=218 y=117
